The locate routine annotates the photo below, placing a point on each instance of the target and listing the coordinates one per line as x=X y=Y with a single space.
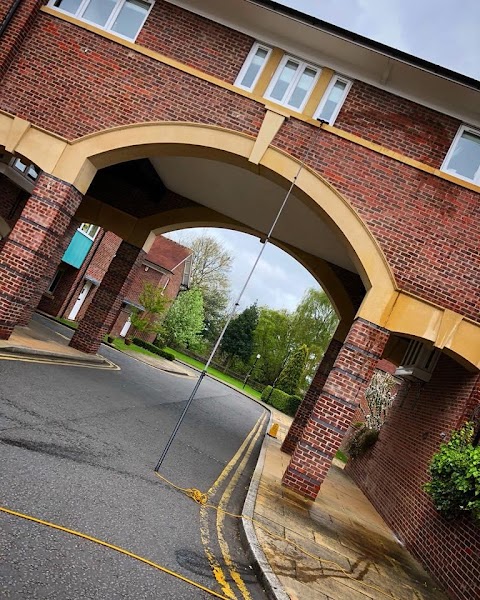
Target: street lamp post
x=250 y=372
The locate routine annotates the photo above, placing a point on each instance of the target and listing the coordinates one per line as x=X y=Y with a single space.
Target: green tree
x=291 y=375
x=149 y=320
x=184 y=321
x=313 y=324
x=238 y=338
x=211 y=264
x=272 y=339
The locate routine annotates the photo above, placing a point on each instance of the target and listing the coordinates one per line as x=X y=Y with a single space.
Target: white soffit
x=253 y=201
x=344 y=56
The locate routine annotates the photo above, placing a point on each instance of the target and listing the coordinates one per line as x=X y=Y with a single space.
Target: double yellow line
x=237 y=461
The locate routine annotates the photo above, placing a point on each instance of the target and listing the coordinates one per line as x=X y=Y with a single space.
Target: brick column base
x=306 y=407
x=30 y=250
x=47 y=277
x=335 y=408
x=105 y=306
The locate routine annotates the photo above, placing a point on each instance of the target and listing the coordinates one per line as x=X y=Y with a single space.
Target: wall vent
x=418 y=362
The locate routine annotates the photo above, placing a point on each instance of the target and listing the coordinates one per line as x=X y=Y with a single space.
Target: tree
x=314 y=323
x=184 y=321
x=211 y=263
x=272 y=339
x=149 y=320
x=289 y=380
x=238 y=338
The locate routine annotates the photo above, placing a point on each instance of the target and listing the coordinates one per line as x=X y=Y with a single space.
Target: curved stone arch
x=83 y=157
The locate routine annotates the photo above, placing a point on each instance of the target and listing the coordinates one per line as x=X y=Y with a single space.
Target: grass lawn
x=341 y=456
x=218 y=374
x=67 y=322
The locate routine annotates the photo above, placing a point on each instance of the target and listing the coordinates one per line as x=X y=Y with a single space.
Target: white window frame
x=302 y=65
x=325 y=96
x=29 y=166
x=87 y=233
x=462 y=129
x=248 y=61
x=111 y=20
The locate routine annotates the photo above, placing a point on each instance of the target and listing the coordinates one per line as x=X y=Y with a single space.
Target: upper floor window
x=463 y=158
x=333 y=99
x=28 y=170
x=122 y=17
x=253 y=66
x=89 y=230
x=292 y=83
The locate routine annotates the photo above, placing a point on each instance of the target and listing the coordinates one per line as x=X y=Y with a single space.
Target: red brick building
x=73 y=287
x=160 y=115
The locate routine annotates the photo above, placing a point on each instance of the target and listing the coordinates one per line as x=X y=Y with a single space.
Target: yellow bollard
x=273 y=430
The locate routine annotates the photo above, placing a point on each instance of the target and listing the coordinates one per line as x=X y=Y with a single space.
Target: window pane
x=32 y=172
x=302 y=88
x=70 y=6
x=465 y=159
x=334 y=97
x=254 y=67
x=21 y=166
x=130 y=18
x=99 y=11
x=285 y=79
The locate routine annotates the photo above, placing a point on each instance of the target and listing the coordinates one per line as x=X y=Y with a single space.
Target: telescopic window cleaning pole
x=230 y=317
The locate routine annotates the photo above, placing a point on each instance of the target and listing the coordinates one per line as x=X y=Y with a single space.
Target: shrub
x=455 y=476
x=154 y=349
x=362 y=440
x=280 y=400
x=293 y=403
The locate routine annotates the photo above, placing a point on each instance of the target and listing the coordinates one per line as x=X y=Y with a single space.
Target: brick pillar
x=47 y=277
x=335 y=407
x=105 y=306
x=30 y=249
x=306 y=407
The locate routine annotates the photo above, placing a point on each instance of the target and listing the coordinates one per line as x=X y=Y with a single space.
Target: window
x=56 y=279
x=463 y=158
x=333 y=99
x=253 y=66
x=292 y=83
x=123 y=17
x=89 y=230
x=28 y=170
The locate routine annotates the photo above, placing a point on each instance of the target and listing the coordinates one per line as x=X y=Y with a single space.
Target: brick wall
x=217 y=50
x=393 y=473
x=398 y=124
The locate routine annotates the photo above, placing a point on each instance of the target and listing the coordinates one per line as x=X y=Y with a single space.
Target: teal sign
x=77 y=250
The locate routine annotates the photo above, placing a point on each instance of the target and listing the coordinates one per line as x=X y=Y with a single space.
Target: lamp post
x=250 y=372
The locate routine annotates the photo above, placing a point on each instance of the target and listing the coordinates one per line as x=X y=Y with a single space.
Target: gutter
x=9 y=16
x=364 y=42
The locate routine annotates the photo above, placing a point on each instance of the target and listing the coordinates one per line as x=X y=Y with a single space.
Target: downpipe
x=9 y=16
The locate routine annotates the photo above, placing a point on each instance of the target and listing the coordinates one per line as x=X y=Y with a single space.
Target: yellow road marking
x=66 y=363
x=112 y=547
x=204 y=527
x=222 y=505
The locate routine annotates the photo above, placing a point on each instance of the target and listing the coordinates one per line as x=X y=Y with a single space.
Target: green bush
x=266 y=393
x=455 y=476
x=280 y=400
x=292 y=405
x=154 y=349
x=362 y=440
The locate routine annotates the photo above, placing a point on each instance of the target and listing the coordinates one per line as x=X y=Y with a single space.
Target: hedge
x=281 y=401
x=154 y=349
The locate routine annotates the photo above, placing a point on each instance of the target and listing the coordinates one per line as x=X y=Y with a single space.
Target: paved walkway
x=360 y=557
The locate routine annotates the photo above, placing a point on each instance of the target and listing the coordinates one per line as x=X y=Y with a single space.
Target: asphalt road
x=78 y=447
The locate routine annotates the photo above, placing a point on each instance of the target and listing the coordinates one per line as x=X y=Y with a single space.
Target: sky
x=444 y=32
x=279 y=281
x=441 y=31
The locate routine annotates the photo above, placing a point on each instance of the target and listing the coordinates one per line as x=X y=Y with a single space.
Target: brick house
x=131 y=129
x=85 y=262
